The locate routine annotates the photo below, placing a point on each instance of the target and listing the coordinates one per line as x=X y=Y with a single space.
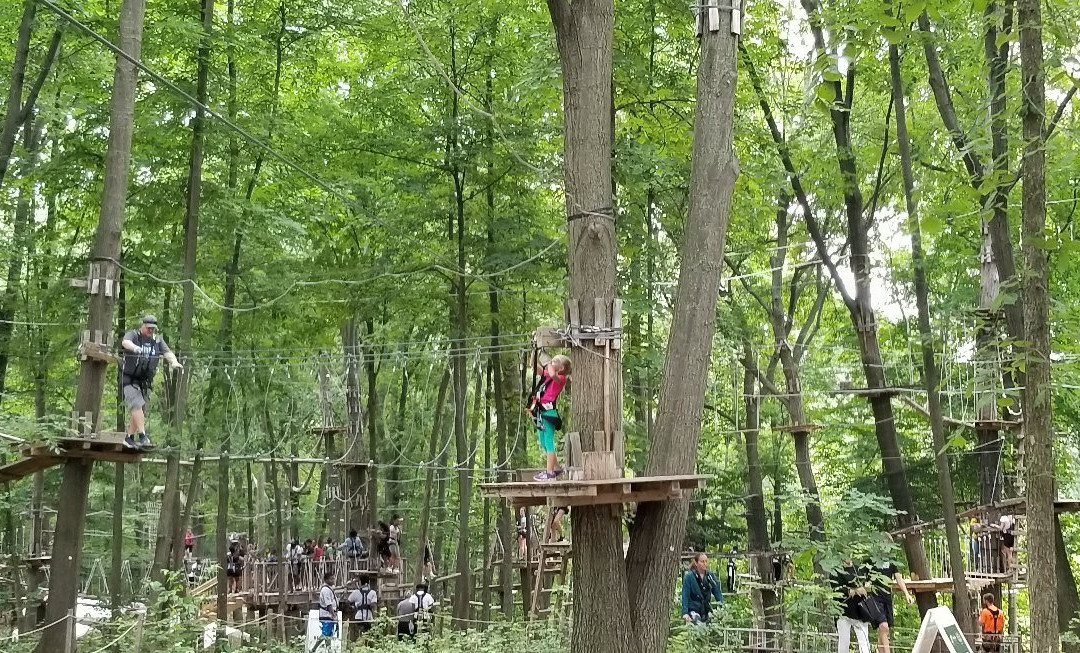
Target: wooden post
x=117 y=538
x=69 y=632
x=222 y=548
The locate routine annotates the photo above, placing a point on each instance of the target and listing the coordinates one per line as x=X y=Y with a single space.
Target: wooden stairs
x=550 y=579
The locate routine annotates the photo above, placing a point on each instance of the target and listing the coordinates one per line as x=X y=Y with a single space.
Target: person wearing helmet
x=142 y=350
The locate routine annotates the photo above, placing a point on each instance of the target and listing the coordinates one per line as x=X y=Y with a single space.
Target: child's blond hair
x=563 y=362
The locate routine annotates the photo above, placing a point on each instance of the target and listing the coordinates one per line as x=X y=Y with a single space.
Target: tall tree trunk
x=194 y=202
x=931 y=378
x=184 y=517
x=1038 y=433
x=20 y=239
x=502 y=426
x=350 y=341
x=17 y=110
x=782 y=321
x=71 y=519
x=757 y=523
x=583 y=32
x=659 y=528
x=170 y=505
x=280 y=548
x=370 y=477
x=429 y=474
x=222 y=550
x=488 y=574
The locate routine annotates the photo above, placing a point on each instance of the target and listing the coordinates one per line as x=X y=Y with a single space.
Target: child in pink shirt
x=544 y=413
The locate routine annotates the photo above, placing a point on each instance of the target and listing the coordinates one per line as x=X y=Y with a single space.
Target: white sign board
x=313 y=636
x=940 y=621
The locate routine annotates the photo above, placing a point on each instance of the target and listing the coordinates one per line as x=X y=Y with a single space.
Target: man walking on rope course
x=142 y=349
x=553 y=377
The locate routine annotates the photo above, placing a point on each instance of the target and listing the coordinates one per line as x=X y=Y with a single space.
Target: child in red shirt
x=553 y=379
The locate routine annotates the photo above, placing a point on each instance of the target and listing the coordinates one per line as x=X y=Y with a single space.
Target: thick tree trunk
x=370 y=477
x=1038 y=432
x=429 y=475
x=184 y=517
x=279 y=547
x=761 y=566
x=488 y=574
x=931 y=379
x=71 y=519
x=350 y=341
x=583 y=32
x=659 y=528
x=170 y=506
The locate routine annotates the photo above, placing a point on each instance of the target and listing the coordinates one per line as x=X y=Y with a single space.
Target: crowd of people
x=353 y=613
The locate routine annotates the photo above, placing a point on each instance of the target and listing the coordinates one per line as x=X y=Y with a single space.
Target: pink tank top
x=553 y=385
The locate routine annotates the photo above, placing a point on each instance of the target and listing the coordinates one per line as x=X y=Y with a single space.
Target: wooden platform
x=975 y=584
x=106 y=446
x=638 y=489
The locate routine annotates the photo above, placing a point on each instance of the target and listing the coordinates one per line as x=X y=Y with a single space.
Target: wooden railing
x=265 y=581
x=981 y=550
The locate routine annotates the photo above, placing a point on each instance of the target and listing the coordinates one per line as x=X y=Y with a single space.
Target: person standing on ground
x=414 y=611
x=364 y=601
x=328 y=611
x=553 y=377
x=992 y=624
x=884 y=573
x=234 y=567
x=849 y=594
x=142 y=349
x=699 y=587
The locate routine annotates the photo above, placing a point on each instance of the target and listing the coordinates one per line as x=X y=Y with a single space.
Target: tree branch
x=1060 y=111
x=945 y=106
x=796 y=183
x=46 y=66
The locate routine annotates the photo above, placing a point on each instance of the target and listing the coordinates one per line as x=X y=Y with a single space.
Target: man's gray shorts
x=136 y=397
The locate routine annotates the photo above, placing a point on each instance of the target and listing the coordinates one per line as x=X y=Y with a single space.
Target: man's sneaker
x=544 y=476
x=129 y=443
x=144 y=441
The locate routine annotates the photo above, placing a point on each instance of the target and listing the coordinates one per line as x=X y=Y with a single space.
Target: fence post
x=139 y=633
x=69 y=638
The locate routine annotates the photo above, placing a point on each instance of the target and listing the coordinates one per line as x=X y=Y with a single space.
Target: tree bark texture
x=583 y=32
x=429 y=474
x=350 y=339
x=660 y=527
x=71 y=518
x=170 y=505
x=931 y=378
x=757 y=523
x=1038 y=432
x=222 y=550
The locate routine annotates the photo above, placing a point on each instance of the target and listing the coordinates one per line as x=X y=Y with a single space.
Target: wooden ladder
x=550 y=566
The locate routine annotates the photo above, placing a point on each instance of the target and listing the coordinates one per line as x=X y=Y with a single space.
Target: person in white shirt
x=414 y=611
x=394 y=542
x=328 y=610
x=364 y=602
